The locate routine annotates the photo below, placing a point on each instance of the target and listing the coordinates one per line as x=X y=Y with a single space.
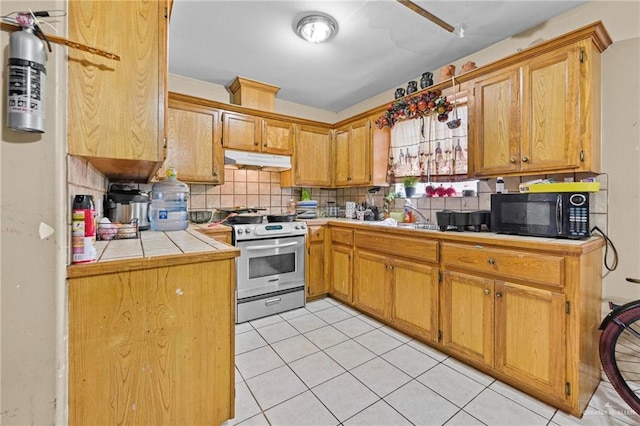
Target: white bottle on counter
x=499 y=185
x=168 y=210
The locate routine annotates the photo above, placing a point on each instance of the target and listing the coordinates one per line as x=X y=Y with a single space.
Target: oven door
x=270 y=265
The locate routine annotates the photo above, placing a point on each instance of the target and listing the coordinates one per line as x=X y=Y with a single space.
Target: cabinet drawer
x=316 y=233
x=413 y=248
x=521 y=265
x=342 y=236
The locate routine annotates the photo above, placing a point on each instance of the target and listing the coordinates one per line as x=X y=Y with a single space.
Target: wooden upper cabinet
x=550 y=111
x=495 y=128
x=193 y=143
x=250 y=133
x=540 y=115
x=116 y=109
x=240 y=131
x=277 y=137
x=352 y=159
x=311 y=165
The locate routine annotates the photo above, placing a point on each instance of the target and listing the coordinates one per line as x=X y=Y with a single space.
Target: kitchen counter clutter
x=151 y=331
x=524 y=310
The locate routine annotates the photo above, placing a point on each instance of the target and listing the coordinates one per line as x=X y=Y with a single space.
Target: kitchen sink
x=419 y=225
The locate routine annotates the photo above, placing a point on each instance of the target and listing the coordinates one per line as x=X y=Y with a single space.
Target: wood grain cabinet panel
x=246 y=132
x=372 y=283
x=352 y=154
x=117 y=108
x=341 y=264
x=152 y=346
x=468 y=316
x=530 y=333
x=315 y=262
x=193 y=143
x=311 y=165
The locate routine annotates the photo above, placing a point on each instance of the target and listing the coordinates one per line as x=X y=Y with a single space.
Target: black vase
x=399 y=93
x=412 y=87
x=426 y=80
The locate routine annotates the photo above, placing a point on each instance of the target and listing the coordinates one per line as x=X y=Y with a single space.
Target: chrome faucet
x=409 y=205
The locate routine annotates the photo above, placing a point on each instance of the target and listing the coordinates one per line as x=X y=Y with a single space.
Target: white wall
x=32 y=268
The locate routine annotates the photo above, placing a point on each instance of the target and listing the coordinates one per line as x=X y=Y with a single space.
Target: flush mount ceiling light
x=317 y=28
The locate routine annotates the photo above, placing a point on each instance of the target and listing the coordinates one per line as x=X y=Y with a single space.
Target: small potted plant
x=409 y=183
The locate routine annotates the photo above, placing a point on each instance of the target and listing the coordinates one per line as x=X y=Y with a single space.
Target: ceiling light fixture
x=317 y=28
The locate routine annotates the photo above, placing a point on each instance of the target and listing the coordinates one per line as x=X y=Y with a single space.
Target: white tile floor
x=327 y=364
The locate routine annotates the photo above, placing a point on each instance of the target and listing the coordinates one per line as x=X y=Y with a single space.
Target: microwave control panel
x=578 y=215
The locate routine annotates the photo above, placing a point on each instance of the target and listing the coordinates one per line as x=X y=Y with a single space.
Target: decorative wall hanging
x=421 y=105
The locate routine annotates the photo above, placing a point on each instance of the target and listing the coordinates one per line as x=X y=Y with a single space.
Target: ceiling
x=380 y=44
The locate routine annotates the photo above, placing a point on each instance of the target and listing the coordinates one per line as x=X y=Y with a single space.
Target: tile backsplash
x=255 y=188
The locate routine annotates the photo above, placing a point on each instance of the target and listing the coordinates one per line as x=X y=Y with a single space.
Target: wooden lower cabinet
x=341 y=263
x=315 y=263
x=152 y=346
x=372 y=282
x=526 y=313
x=467 y=316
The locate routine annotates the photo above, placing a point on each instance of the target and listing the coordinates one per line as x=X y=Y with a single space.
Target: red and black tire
x=620 y=355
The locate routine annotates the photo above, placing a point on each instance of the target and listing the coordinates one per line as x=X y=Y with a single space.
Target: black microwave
x=548 y=214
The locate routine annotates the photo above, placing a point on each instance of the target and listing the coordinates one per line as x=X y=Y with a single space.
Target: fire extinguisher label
x=26 y=87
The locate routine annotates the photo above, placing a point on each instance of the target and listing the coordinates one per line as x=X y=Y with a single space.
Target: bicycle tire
x=620 y=356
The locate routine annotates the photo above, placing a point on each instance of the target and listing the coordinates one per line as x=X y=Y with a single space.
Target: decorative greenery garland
x=420 y=105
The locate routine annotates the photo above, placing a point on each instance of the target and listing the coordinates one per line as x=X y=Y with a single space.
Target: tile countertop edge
x=559 y=245
x=214 y=250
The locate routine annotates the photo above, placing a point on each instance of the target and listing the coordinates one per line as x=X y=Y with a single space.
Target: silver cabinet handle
x=254 y=248
x=498 y=295
x=487 y=291
x=273 y=301
x=525 y=159
x=491 y=261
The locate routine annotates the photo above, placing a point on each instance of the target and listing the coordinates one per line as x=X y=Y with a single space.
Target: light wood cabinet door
x=277 y=137
x=467 y=316
x=152 y=346
x=550 y=111
x=341 y=272
x=312 y=157
x=371 y=282
x=352 y=158
x=241 y=132
x=360 y=153
x=530 y=336
x=316 y=282
x=495 y=123
x=341 y=157
x=117 y=108
x=193 y=143
x=415 y=298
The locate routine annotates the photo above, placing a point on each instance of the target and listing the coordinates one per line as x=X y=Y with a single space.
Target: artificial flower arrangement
x=420 y=105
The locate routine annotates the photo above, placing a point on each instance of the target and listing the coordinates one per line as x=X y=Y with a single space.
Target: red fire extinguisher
x=26 y=76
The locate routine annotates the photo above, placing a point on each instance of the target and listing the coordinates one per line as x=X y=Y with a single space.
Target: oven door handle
x=256 y=248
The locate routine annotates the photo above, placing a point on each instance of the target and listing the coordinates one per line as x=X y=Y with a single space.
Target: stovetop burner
x=257 y=231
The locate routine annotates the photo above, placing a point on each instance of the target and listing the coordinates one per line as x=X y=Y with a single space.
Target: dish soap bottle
x=168 y=210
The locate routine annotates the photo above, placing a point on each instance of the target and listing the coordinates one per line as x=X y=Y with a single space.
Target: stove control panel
x=268 y=230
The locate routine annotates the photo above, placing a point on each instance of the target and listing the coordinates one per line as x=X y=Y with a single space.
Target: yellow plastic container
x=398 y=216
x=561 y=187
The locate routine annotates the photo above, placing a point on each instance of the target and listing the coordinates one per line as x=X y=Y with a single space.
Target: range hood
x=254 y=160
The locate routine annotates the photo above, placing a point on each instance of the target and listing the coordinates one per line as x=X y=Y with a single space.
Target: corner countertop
x=152 y=250
x=560 y=245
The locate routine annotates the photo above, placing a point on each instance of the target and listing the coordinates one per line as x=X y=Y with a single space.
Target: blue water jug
x=168 y=210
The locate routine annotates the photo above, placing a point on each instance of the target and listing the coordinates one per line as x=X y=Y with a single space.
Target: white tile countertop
x=155 y=249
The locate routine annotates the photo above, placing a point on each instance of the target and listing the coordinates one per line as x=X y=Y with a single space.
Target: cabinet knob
x=487 y=291
x=512 y=160
x=391 y=267
x=491 y=261
x=256 y=143
x=264 y=144
x=525 y=159
x=498 y=295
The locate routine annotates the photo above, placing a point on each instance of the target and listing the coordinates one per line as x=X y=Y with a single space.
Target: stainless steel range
x=270 y=269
